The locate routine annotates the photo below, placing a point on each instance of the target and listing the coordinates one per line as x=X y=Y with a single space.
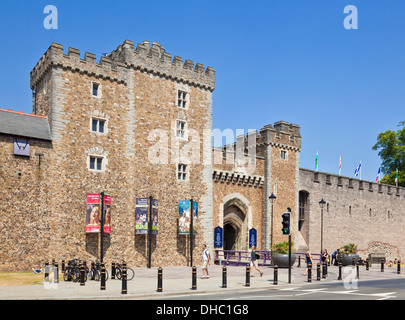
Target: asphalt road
x=388 y=289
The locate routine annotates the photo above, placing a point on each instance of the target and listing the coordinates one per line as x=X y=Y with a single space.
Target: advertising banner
x=252 y=237
x=93 y=213
x=141 y=215
x=155 y=220
x=218 y=237
x=107 y=214
x=184 y=216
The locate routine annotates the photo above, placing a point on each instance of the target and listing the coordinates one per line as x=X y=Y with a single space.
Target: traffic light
x=286 y=223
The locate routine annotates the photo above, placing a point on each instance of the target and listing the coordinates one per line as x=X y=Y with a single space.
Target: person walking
x=206 y=261
x=309 y=262
x=254 y=262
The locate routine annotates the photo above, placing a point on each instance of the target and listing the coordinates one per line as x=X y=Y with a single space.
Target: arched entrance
x=235 y=225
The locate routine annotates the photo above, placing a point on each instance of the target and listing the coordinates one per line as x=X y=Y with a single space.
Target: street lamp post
x=322 y=205
x=272 y=199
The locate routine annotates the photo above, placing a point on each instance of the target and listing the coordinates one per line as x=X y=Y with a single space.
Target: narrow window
x=96 y=89
x=180 y=128
x=182 y=99
x=283 y=154
x=97 y=125
x=181 y=172
x=96 y=163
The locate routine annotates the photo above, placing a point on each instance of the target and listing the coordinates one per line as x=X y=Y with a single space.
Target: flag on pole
x=358 y=170
x=396 y=178
x=378 y=174
x=340 y=165
x=316 y=161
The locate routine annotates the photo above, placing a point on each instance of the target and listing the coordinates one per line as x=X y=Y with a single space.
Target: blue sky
x=286 y=60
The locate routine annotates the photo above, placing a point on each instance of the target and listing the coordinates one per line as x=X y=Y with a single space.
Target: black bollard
x=124 y=289
x=398 y=267
x=82 y=274
x=354 y=261
x=46 y=271
x=63 y=266
x=367 y=264
x=102 y=285
x=357 y=271
x=224 y=284
x=310 y=273
x=247 y=282
x=340 y=271
x=194 y=279
x=318 y=272
x=160 y=280
x=56 y=272
x=275 y=280
x=382 y=265
x=324 y=270
x=299 y=262
x=113 y=270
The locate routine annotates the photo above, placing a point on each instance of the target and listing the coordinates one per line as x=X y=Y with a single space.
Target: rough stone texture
x=368 y=214
x=138 y=95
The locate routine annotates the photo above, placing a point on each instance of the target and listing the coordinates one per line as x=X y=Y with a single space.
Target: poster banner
x=155 y=220
x=93 y=213
x=107 y=214
x=252 y=237
x=141 y=215
x=218 y=237
x=184 y=216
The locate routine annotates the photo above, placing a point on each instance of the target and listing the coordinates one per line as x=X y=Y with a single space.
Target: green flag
x=316 y=161
x=396 y=179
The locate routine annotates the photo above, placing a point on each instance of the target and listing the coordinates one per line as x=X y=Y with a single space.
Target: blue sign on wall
x=252 y=237
x=218 y=237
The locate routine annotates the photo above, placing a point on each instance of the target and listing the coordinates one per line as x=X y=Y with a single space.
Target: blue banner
x=218 y=242
x=252 y=237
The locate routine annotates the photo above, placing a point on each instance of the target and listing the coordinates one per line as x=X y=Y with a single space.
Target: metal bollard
x=340 y=271
x=46 y=271
x=63 y=266
x=194 y=279
x=113 y=270
x=124 y=278
x=354 y=261
x=299 y=262
x=398 y=267
x=318 y=272
x=324 y=270
x=82 y=274
x=382 y=265
x=57 y=272
x=357 y=271
x=224 y=275
x=247 y=282
x=310 y=273
x=160 y=280
x=367 y=264
x=275 y=280
x=102 y=285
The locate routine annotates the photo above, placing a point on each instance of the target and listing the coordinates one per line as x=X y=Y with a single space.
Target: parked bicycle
x=94 y=272
x=118 y=272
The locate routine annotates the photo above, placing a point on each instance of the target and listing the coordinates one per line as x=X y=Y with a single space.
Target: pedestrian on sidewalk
x=206 y=261
x=253 y=261
x=309 y=262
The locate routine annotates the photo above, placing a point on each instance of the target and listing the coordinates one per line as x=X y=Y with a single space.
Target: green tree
x=391 y=149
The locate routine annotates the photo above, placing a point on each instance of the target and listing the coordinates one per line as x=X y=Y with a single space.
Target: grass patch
x=20 y=278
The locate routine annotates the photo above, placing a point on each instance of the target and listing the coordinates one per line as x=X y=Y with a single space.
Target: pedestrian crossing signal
x=286 y=223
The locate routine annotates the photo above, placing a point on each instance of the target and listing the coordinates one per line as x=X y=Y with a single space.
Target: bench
x=376 y=258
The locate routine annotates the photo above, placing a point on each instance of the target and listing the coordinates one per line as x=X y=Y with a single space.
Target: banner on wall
x=107 y=214
x=218 y=237
x=93 y=213
x=155 y=217
x=141 y=215
x=185 y=217
x=252 y=237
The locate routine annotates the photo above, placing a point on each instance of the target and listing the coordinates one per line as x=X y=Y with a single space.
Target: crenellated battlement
x=54 y=57
x=155 y=60
x=151 y=59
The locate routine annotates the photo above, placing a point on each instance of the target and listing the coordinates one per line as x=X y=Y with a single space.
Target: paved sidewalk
x=177 y=281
